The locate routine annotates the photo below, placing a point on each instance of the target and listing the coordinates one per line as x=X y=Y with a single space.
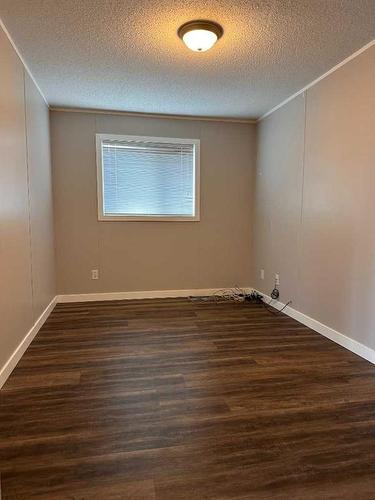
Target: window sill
x=147 y=218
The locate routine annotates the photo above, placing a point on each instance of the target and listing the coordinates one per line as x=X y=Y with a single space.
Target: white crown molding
x=154 y=115
x=341 y=339
x=317 y=80
x=151 y=294
x=2 y=25
x=9 y=366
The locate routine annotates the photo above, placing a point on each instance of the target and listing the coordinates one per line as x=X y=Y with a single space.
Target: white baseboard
x=151 y=294
x=9 y=366
x=341 y=339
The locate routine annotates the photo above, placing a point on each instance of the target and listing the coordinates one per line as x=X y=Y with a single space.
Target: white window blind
x=147 y=178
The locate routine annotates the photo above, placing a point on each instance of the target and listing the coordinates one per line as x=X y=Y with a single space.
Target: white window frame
x=158 y=218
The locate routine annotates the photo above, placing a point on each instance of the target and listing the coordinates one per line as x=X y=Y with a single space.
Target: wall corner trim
x=337 y=337
x=317 y=80
x=4 y=28
x=9 y=366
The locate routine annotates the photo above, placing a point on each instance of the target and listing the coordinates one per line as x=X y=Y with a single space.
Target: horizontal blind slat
x=148 y=178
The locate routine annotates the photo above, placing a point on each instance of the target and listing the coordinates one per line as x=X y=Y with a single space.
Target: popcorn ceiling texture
x=125 y=55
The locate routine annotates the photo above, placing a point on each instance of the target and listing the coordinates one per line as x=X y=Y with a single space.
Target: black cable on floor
x=277 y=311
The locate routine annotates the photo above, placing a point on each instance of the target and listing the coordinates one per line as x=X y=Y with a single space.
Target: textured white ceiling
x=125 y=55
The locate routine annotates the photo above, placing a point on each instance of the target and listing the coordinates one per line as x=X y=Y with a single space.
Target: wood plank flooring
x=177 y=400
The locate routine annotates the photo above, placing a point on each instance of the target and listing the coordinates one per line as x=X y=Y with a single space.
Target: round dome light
x=200 y=35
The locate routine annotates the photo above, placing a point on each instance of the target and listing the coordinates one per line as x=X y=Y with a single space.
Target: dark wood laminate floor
x=169 y=400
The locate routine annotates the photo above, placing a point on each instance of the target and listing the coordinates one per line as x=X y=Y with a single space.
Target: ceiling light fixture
x=200 y=35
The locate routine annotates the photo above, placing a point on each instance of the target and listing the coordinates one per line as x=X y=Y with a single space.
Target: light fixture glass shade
x=200 y=35
x=199 y=40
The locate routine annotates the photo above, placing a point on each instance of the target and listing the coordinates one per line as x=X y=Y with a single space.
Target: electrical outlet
x=95 y=274
x=277 y=279
x=262 y=274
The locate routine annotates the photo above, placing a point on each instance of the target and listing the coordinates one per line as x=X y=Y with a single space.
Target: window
x=147 y=178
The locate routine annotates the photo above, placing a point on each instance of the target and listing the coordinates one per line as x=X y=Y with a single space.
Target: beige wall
x=26 y=236
x=41 y=206
x=214 y=252
x=315 y=201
